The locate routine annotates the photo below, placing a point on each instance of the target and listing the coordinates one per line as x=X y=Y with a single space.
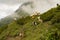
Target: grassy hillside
x=25 y=29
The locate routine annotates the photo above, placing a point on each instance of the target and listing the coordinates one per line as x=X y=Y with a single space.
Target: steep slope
x=26 y=29
x=6 y=20
x=20 y=12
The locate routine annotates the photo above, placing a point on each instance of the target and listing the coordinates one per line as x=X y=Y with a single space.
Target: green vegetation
x=52 y=15
x=24 y=28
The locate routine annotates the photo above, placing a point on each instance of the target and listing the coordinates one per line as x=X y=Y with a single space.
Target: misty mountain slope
x=41 y=5
x=9 y=6
x=21 y=11
x=26 y=29
x=6 y=20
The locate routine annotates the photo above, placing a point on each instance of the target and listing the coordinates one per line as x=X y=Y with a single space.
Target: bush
x=47 y=16
x=23 y=20
x=57 y=25
x=56 y=18
x=54 y=36
x=2 y=28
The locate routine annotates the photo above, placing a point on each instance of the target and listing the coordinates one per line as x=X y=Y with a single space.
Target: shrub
x=23 y=20
x=56 y=18
x=54 y=36
x=2 y=28
x=47 y=16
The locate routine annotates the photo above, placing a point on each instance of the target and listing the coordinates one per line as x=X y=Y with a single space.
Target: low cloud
x=6 y=10
x=9 y=6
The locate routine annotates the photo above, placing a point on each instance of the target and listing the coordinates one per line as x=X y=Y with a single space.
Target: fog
x=7 y=7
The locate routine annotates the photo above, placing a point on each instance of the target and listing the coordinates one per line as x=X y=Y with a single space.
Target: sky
x=7 y=7
x=41 y=5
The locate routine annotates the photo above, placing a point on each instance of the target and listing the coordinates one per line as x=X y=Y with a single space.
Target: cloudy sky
x=9 y=6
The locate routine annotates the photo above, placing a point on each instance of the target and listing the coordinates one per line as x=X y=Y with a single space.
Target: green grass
x=42 y=31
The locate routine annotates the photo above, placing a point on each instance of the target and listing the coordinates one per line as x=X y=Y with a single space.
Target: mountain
x=22 y=10
x=30 y=28
x=19 y=13
x=40 y=5
x=6 y=20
